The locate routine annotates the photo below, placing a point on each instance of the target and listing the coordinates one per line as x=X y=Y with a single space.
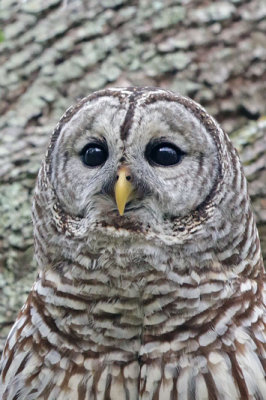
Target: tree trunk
x=54 y=52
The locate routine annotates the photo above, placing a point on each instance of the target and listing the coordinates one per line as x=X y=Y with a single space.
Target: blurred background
x=54 y=52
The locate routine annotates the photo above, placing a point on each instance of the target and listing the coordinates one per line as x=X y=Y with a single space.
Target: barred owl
x=150 y=282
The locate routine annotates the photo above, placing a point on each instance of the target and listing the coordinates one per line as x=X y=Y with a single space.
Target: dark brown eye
x=164 y=154
x=94 y=155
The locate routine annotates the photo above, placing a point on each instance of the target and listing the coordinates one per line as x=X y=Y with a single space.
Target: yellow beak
x=123 y=189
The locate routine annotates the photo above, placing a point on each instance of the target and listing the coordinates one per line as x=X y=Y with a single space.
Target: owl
x=151 y=280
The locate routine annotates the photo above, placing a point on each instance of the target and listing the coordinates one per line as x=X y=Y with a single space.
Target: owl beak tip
x=121 y=210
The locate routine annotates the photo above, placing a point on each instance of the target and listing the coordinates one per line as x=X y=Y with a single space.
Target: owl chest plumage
x=128 y=330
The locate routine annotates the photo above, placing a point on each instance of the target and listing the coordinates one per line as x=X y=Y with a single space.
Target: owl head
x=139 y=162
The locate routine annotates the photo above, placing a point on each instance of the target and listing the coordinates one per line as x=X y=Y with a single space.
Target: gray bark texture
x=54 y=52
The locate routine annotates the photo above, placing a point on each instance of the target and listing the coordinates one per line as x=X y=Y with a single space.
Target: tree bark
x=54 y=52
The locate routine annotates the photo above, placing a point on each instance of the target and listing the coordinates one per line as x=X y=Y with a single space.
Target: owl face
x=158 y=152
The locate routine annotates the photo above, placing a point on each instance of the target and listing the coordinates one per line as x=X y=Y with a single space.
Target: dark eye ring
x=163 y=154
x=94 y=154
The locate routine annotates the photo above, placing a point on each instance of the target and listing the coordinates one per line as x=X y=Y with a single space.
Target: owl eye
x=94 y=154
x=164 y=154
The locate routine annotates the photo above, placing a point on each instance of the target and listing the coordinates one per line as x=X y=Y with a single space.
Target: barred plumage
x=163 y=302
